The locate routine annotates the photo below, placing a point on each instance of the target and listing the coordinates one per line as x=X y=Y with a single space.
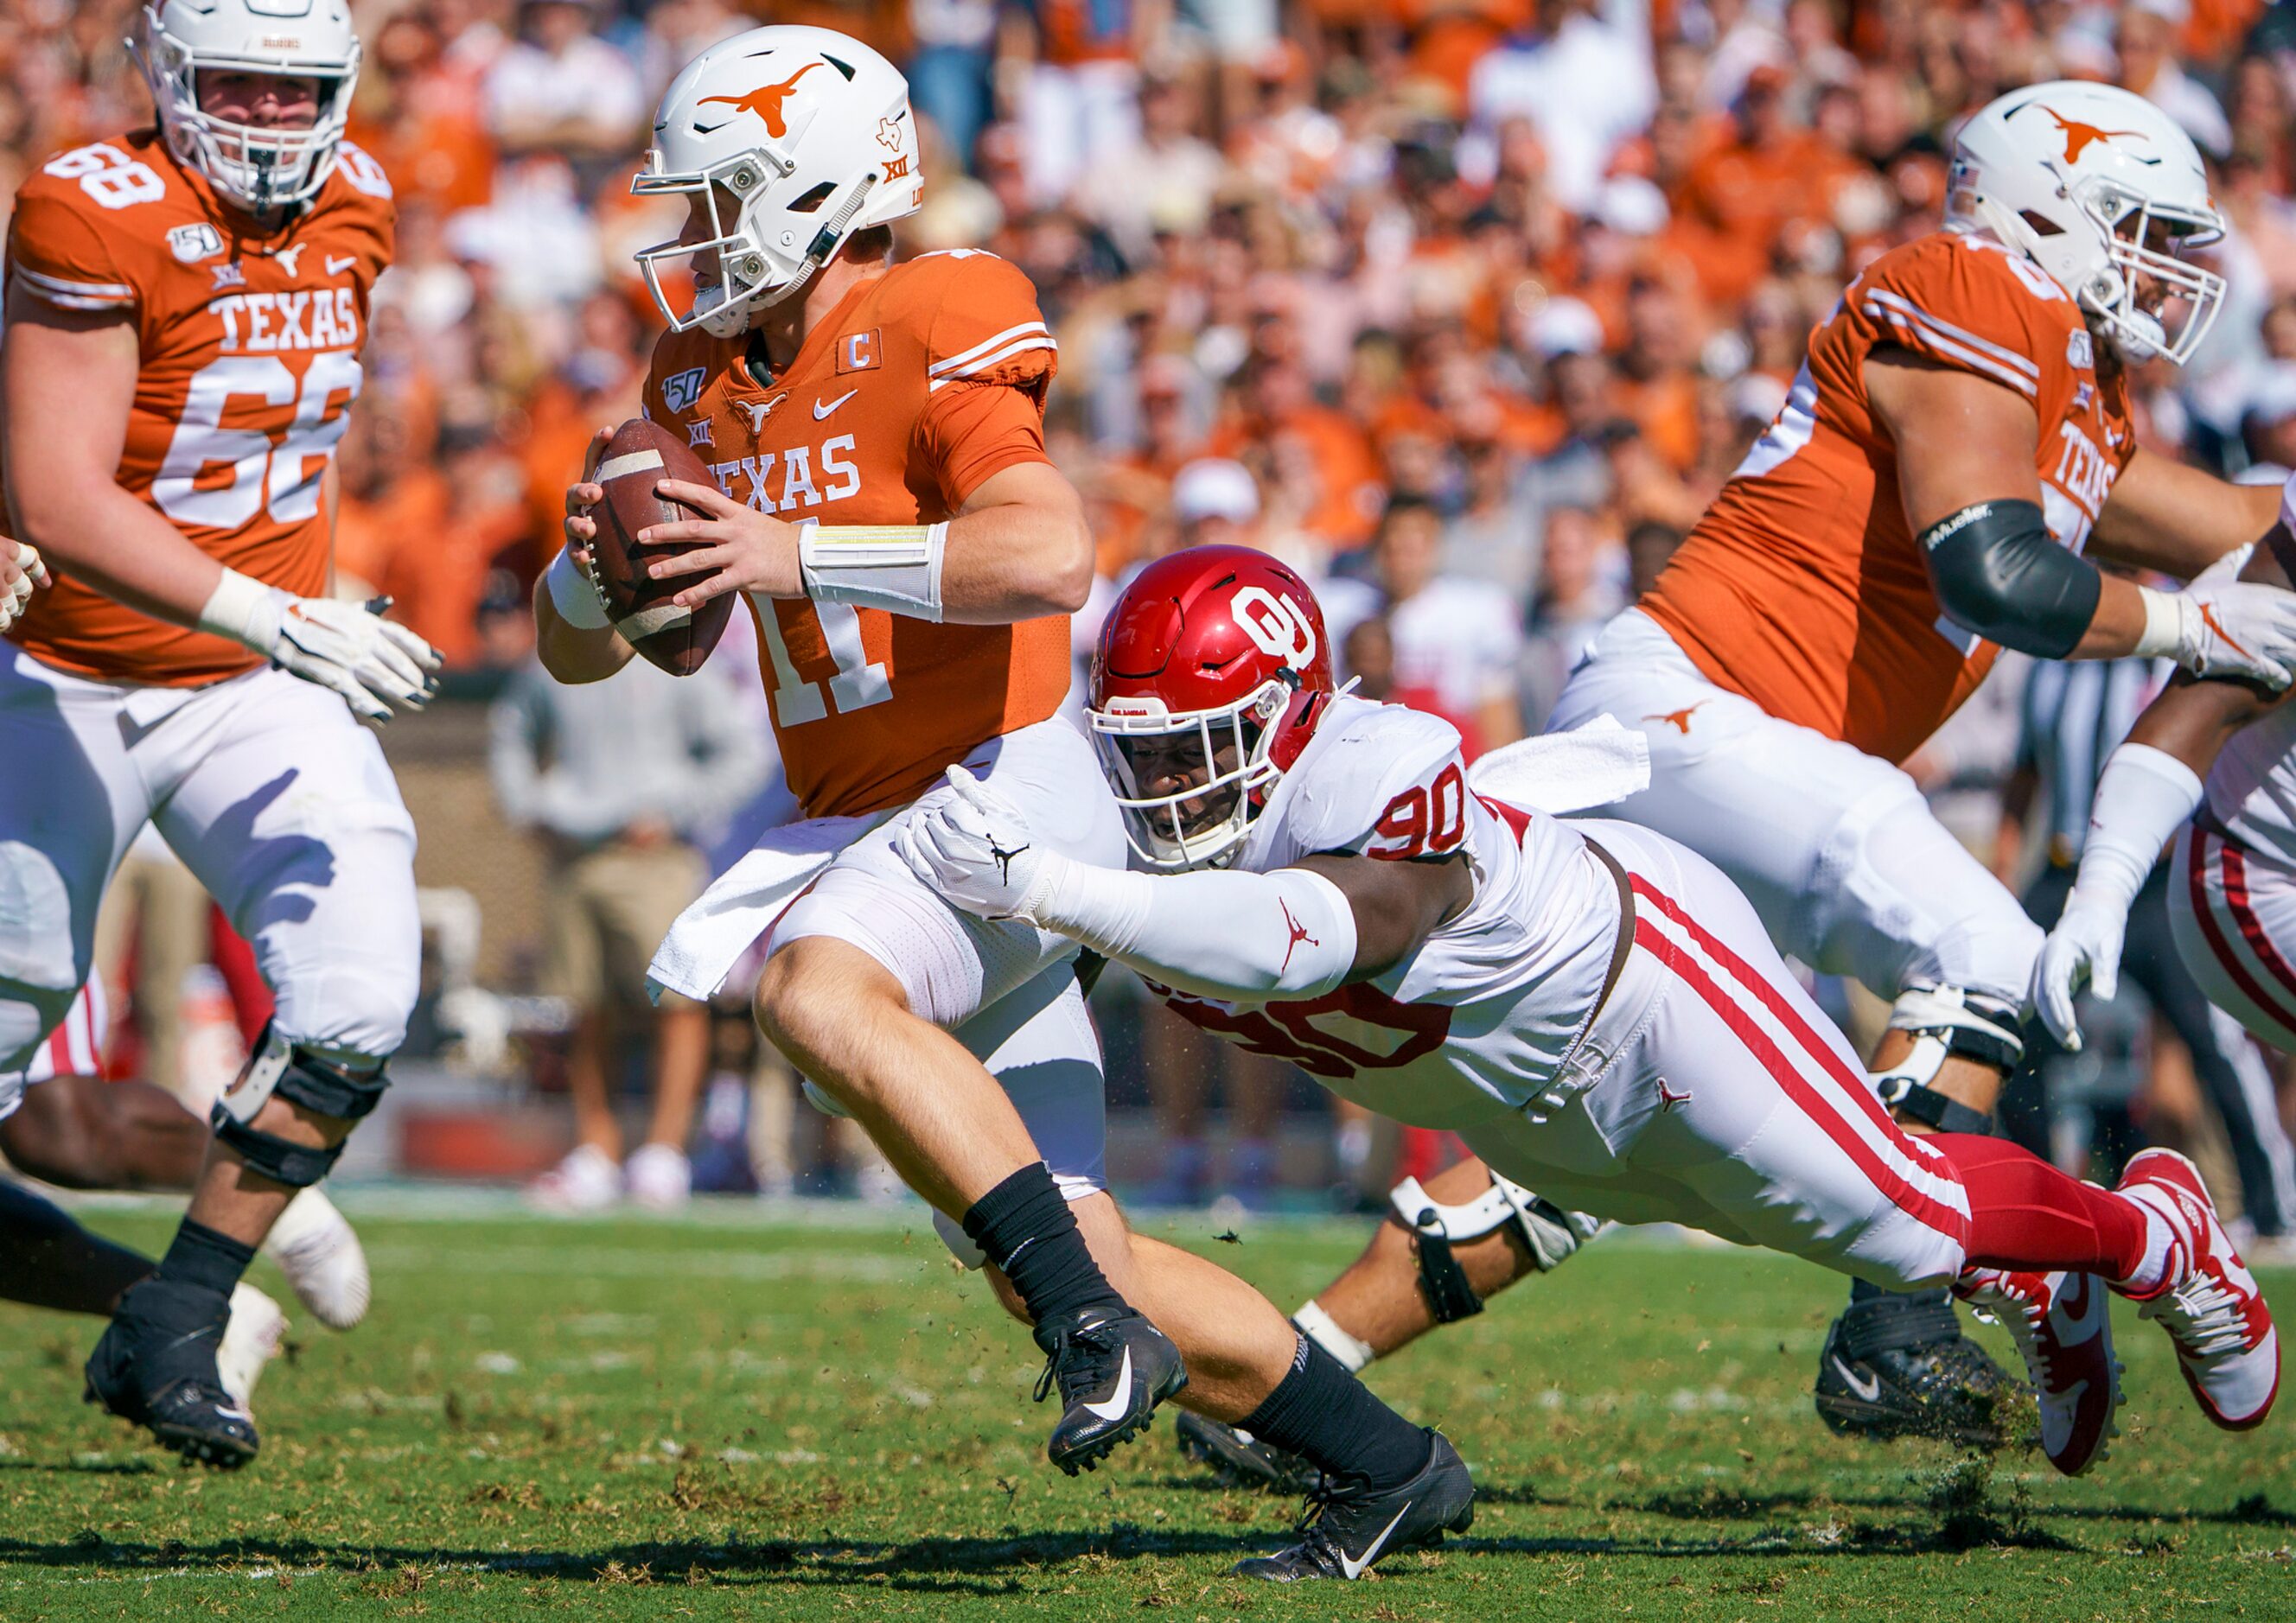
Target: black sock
x=1321 y=1411
x=1031 y=1237
x=1861 y=1291
x=201 y=1255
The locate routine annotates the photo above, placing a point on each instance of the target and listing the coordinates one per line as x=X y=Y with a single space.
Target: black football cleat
x=1112 y=1369
x=1897 y=1365
x=156 y=1368
x=1240 y=1459
x=1350 y=1526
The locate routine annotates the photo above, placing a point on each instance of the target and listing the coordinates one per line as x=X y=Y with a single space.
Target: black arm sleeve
x=1997 y=572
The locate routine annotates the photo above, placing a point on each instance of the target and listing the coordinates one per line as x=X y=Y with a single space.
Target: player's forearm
x=2118 y=627
x=2193 y=718
x=574 y=654
x=1239 y=936
x=2163 y=515
x=109 y=539
x=1016 y=561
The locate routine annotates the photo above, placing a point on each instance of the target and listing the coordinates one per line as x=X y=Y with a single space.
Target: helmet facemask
x=1204 y=823
x=262 y=169
x=2135 y=267
x=751 y=273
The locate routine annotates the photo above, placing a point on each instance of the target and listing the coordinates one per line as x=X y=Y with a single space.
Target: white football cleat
x=659 y=1177
x=2061 y=1324
x=2210 y=1303
x=587 y=1180
x=315 y=1247
x=250 y=1340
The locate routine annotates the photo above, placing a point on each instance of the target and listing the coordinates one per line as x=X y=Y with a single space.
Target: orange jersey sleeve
x=1803 y=587
x=247 y=365
x=918 y=385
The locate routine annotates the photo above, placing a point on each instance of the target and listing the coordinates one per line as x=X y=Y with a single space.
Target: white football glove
x=21 y=573
x=975 y=847
x=2221 y=625
x=2083 y=949
x=373 y=663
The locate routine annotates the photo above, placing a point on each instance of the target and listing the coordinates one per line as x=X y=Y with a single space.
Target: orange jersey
x=921 y=384
x=1802 y=588
x=250 y=363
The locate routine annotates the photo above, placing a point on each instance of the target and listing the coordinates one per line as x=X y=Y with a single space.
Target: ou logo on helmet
x=1279 y=626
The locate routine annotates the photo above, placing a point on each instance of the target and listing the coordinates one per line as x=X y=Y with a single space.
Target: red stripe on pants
x=1923 y=1209
x=2196 y=876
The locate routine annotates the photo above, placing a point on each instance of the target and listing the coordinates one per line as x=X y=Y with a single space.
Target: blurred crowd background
x=1465 y=308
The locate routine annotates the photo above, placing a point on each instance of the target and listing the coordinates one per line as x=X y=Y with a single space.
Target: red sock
x=2025 y=1215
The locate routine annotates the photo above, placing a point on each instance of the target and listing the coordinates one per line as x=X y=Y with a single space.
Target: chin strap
x=1947 y=1021
x=1551 y=1233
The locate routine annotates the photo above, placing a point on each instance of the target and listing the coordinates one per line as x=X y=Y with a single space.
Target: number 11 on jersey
x=859 y=683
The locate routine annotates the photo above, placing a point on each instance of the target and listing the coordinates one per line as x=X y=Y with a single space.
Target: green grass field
x=722 y=1417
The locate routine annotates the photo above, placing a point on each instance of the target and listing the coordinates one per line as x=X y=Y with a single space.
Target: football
x=641 y=454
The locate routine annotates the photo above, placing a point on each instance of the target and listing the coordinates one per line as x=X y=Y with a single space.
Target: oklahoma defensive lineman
x=1593 y=1007
x=185 y=311
x=885 y=504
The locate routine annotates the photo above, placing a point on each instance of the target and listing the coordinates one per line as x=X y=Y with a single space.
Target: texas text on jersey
x=922 y=383
x=249 y=365
x=1476 y=1021
x=1802 y=588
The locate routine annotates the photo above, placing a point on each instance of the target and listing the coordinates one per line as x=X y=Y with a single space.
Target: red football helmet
x=1212 y=671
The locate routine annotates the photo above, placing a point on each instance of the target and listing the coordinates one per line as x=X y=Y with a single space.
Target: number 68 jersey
x=249 y=364
x=1479 y=1019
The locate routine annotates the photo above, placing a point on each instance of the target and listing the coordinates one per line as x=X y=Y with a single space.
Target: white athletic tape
x=619 y=467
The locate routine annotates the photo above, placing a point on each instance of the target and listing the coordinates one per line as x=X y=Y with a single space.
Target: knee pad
x=1946 y=1022
x=299 y=1076
x=1551 y=1234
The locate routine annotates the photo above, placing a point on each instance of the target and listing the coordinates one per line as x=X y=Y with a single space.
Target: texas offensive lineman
x=1593 y=1008
x=885 y=504
x=186 y=307
x=1955 y=440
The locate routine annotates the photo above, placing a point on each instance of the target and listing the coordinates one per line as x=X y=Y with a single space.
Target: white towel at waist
x=1598 y=764
x=741 y=904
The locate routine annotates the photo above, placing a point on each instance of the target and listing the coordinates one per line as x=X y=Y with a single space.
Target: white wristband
x=246 y=610
x=2164 y=624
x=893 y=567
x=1243 y=937
x=572 y=594
x=2144 y=796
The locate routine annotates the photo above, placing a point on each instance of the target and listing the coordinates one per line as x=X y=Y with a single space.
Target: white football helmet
x=810 y=134
x=2102 y=190
x=260 y=169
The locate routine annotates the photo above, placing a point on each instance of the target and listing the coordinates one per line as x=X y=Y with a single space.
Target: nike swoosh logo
x=1115 y=1407
x=1354 y=1567
x=821 y=411
x=1869 y=1388
x=2080 y=1326
x=337 y=264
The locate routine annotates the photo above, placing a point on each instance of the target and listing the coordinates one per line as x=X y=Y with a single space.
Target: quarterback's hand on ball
x=975 y=849
x=748 y=551
x=373 y=663
x=2226 y=626
x=21 y=573
x=581 y=528
x=2085 y=947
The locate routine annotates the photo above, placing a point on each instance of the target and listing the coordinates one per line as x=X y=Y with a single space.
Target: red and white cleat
x=2210 y=1304
x=2060 y=1323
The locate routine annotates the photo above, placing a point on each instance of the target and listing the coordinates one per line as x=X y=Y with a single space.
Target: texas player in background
x=1591 y=1006
x=885 y=505
x=1956 y=440
x=186 y=307
x=2211 y=765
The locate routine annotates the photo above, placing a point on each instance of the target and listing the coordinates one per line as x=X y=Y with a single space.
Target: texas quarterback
x=884 y=504
x=186 y=306
x=1593 y=1007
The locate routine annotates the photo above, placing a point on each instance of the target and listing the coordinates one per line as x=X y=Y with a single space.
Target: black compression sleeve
x=1998 y=572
